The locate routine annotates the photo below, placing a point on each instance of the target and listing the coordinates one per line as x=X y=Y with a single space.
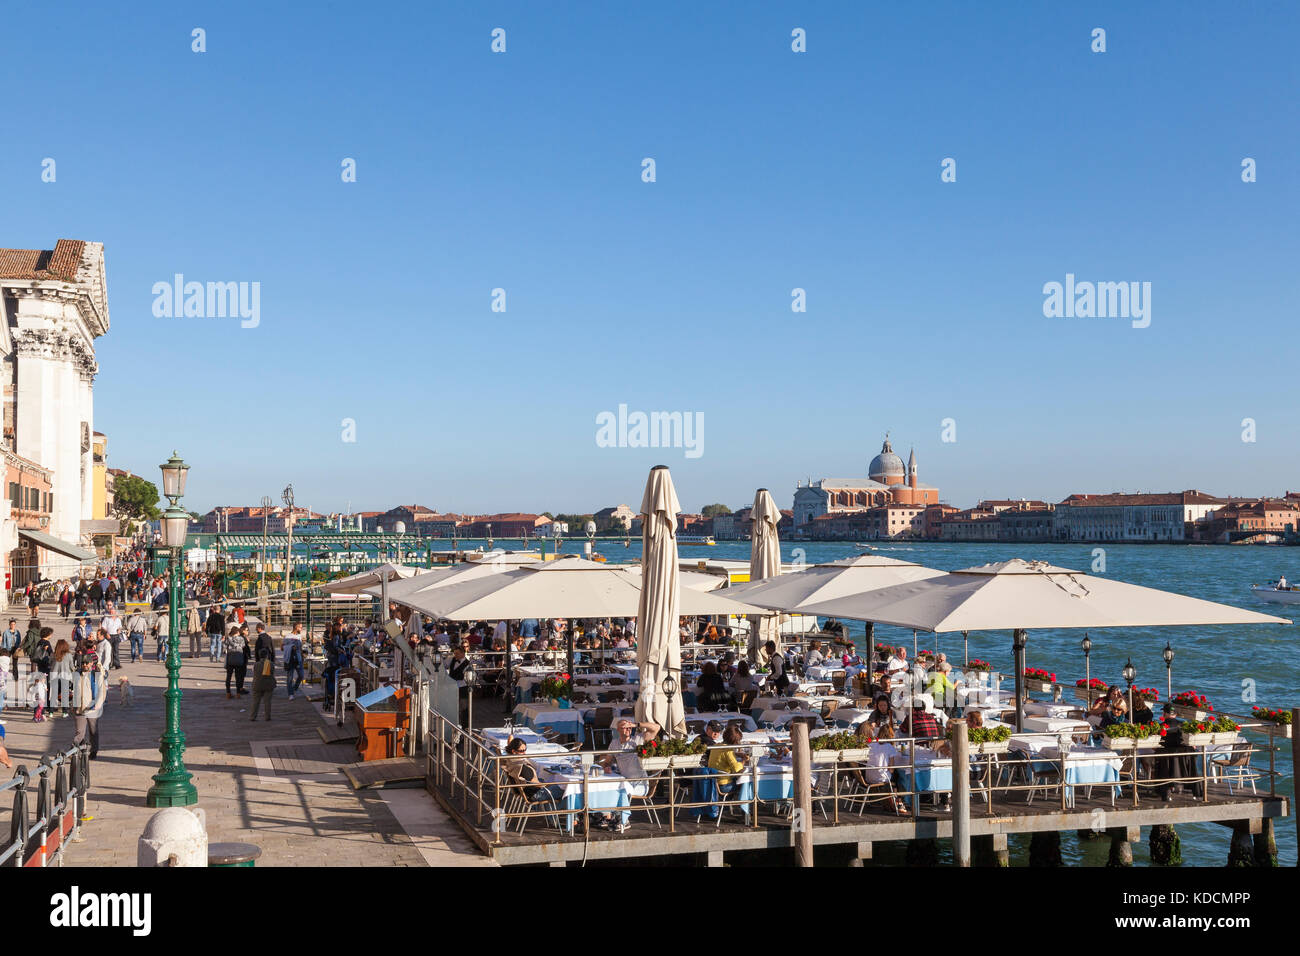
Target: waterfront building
x=616 y=520
x=54 y=304
x=1027 y=524
x=888 y=482
x=1170 y=516
x=508 y=525
x=1244 y=519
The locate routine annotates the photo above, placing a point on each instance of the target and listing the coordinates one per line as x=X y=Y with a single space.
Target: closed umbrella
x=764 y=564
x=658 y=648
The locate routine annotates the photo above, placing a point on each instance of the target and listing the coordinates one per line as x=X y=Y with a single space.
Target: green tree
x=134 y=497
x=712 y=511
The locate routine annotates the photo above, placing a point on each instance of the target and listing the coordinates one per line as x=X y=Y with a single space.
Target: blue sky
x=775 y=170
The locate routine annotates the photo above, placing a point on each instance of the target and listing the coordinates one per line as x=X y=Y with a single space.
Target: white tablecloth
x=1044 y=708
x=1053 y=725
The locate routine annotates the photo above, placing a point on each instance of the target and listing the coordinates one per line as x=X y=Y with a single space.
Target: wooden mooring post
x=1295 y=763
x=802 y=819
x=960 y=792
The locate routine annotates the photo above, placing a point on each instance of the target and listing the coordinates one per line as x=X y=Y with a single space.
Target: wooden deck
x=392 y=772
x=542 y=843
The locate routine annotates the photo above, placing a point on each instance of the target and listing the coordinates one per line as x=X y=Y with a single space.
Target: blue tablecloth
x=561 y=721
x=929 y=778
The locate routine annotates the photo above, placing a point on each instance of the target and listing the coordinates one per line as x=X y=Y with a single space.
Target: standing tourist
x=88 y=716
x=216 y=625
x=263 y=673
x=112 y=625
x=61 y=678
x=293 y=660
x=194 y=627
x=65 y=600
x=11 y=638
x=236 y=661
x=136 y=627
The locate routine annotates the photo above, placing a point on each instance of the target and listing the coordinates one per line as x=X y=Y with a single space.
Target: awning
x=51 y=543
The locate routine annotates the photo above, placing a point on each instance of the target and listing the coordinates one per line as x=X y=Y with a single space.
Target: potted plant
x=676 y=752
x=1148 y=694
x=1192 y=706
x=1037 y=679
x=980 y=668
x=1210 y=733
x=1122 y=737
x=557 y=688
x=1090 y=690
x=833 y=747
x=1280 y=717
x=989 y=740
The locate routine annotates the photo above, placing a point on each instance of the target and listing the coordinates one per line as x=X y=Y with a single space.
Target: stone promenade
x=298 y=818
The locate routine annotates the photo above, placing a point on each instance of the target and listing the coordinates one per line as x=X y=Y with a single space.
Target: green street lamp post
x=172 y=785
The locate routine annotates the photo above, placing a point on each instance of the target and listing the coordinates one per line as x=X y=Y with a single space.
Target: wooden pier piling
x=960 y=792
x=803 y=811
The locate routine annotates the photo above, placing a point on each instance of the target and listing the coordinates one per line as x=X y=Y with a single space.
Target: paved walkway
x=298 y=819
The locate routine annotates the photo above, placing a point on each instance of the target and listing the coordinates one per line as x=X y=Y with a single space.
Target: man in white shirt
x=112 y=625
x=898 y=662
x=629 y=737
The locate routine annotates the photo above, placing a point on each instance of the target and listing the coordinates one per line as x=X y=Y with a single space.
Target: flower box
x=990 y=747
x=1039 y=686
x=823 y=757
x=1125 y=744
x=1090 y=693
x=677 y=761
x=1212 y=740
x=1190 y=713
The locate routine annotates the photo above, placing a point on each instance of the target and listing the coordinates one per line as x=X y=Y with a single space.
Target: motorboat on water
x=1276 y=592
x=863 y=546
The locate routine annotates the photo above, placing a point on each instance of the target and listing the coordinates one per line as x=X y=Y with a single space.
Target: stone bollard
x=1265 y=844
x=1045 y=849
x=174 y=837
x=1166 y=847
x=1242 y=851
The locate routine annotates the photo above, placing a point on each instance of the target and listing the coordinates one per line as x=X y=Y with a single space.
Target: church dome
x=887 y=468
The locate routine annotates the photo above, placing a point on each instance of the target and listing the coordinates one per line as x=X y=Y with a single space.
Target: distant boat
x=1275 y=594
x=696 y=539
x=863 y=547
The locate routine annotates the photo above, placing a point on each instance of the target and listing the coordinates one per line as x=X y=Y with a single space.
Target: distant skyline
x=927 y=301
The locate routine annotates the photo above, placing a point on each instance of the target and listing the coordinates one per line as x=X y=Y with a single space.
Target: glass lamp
x=1130 y=672
x=174 y=473
x=175 y=526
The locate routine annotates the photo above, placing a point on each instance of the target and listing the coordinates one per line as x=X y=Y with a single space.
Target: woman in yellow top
x=724 y=759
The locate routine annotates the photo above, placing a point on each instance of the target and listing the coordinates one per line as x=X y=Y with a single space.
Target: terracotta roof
x=61 y=262
x=1167 y=498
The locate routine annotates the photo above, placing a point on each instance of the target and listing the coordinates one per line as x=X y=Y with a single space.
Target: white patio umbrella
x=569 y=586
x=362 y=581
x=764 y=564
x=833 y=579
x=375 y=577
x=1021 y=595
x=658 y=648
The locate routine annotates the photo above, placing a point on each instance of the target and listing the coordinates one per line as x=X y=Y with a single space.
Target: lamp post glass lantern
x=173 y=785
x=1130 y=675
x=1168 y=655
x=1086 y=644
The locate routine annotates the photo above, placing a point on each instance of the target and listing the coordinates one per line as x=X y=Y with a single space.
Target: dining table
x=1084 y=765
x=606 y=789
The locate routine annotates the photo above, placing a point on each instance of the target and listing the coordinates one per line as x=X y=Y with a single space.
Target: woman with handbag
x=264 y=673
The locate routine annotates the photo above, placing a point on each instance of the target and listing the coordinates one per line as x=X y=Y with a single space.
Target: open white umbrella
x=362 y=581
x=764 y=564
x=658 y=646
x=834 y=579
x=566 y=587
x=1020 y=595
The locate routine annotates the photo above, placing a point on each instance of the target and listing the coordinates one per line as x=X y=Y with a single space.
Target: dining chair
x=1237 y=766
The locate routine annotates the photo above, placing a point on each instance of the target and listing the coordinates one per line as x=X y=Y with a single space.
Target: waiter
x=456 y=671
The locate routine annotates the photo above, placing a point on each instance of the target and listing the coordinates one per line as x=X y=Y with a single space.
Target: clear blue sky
x=775 y=170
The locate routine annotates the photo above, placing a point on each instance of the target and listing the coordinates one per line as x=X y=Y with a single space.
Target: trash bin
x=233 y=854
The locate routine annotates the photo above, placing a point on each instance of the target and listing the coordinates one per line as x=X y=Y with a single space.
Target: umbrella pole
x=1018 y=640
x=871 y=649
x=965 y=636
x=914 y=655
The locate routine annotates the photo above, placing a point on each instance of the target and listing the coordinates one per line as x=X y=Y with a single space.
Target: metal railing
x=472 y=771
x=39 y=834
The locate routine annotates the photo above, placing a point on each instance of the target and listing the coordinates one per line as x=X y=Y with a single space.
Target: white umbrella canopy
x=441 y=577
x=834 y=579
x=362 y=581
x=566 y=587
x=764 y=563
x=1027 y=595
x=658 y=647
x=694 y=580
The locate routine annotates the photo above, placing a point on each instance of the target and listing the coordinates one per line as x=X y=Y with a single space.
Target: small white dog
x=126 y=692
